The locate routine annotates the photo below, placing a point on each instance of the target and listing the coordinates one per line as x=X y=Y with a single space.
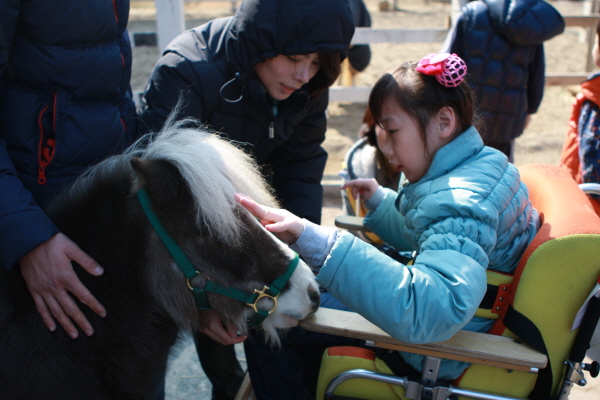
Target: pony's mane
x=214 y=169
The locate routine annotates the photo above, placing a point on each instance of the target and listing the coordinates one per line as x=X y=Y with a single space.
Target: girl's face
x=404 y=145
x=283 y=75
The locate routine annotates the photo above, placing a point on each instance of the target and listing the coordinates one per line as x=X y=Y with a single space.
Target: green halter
x=272 y=291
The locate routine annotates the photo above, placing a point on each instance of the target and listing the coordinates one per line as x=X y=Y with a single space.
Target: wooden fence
x=170 y=23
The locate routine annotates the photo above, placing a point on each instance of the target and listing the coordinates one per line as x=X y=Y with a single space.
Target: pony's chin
x=283 y=321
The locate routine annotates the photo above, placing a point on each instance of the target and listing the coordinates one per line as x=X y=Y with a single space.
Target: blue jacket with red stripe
x=65 y=104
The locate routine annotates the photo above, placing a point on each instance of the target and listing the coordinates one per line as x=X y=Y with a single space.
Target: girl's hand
x=283 y=223
x=365 y=187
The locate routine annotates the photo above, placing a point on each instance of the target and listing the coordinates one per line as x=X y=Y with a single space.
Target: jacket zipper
x=272 y=124
x=46 y=146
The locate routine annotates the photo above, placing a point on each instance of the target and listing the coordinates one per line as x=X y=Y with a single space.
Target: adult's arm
x=298 y=166
x=537 y=79
x=26 y=232
x=173 y=80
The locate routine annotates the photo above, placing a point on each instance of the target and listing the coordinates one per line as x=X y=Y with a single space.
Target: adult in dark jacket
x=502 y=43
x=65 y=103
x=259 y=77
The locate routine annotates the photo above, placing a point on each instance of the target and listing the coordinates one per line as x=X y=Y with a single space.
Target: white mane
x=214 y=169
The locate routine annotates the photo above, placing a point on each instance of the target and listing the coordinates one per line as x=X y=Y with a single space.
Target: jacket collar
x=455 y=153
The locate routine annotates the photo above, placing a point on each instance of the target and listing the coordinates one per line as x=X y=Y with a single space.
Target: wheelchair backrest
x=555 y=275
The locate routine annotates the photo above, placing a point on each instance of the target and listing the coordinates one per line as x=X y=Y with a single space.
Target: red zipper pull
x=42 y=176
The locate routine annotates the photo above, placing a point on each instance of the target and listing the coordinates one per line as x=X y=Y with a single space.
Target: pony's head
x=190 y=177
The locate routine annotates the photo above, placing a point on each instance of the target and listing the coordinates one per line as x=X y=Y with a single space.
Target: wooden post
x=170 y=21
x=592 y=7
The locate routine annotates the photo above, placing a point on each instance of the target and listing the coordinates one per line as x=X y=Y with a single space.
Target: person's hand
x=50 y=277
x=217 y=330
x=363 y=187
x=283 y=223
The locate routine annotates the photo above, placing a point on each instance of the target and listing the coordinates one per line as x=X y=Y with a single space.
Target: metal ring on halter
x=189 y=284
x=261 y=294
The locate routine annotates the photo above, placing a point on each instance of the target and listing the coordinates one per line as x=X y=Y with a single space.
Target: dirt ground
x=541 y=142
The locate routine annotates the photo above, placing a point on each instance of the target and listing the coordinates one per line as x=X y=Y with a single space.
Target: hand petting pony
x=285 y=225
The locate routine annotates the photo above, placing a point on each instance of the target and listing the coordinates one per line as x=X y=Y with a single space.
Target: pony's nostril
x=315 y=298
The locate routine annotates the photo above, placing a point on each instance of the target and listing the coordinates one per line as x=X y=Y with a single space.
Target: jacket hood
x=262 y=29
x=591 y=88
x=525 y=22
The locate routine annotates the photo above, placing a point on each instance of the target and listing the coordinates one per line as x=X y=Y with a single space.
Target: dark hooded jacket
x=65 y=103
x=212 y=68
x=502 y=43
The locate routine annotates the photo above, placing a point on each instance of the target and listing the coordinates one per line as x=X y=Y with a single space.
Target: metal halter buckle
x=262 y=293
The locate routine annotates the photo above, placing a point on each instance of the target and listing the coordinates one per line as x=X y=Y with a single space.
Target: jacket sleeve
x=23 y=225
x=173 y=81
x=537 y=79
x=421 y=303
x=298 y=165
x=569 y=156
x=387 y=222
x=453 y=43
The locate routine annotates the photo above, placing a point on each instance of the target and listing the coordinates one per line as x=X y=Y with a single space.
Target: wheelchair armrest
x=472 y=347
x=351 y=223
x=590 y=188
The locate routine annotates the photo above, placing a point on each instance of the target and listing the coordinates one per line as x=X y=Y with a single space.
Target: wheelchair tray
x=472 y=347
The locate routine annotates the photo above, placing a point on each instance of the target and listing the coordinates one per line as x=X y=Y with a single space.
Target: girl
x=464 y=209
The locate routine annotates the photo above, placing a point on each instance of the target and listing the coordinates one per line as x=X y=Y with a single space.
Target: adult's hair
x=422 y=97
x=327 y=74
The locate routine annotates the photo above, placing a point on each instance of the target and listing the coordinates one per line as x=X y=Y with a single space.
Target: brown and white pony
x=190 y=177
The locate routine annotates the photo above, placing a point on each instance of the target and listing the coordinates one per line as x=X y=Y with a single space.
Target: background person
x=502 y=43
x=65 y=104
x=580 y=154
x=261 y=78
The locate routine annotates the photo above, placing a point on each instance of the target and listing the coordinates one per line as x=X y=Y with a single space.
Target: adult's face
x=282 y=75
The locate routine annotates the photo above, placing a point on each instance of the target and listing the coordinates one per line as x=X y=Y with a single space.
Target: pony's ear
x=160 y=178
x=141 y=169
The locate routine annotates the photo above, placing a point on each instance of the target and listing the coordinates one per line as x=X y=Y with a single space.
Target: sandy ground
x=541 y=142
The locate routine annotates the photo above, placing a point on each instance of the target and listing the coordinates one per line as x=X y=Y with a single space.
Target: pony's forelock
x=214 y=169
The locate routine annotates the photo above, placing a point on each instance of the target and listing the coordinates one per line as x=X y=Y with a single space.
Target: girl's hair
x=327 y=74
x=422 y=96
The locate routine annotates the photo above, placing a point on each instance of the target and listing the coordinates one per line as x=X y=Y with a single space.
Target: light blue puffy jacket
x=469 y=212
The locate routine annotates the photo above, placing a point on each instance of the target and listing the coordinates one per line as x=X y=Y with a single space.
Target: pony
x=188 y=176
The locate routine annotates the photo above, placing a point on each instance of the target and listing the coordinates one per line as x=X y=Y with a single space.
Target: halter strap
x=185 y=265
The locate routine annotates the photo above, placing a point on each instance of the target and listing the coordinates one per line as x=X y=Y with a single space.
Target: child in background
x=581 y=150
x=463 y=208
x=365 y=159
x=502 y=42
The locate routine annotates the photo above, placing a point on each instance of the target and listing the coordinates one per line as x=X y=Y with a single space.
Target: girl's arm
x=422 y=303
x=313 y=242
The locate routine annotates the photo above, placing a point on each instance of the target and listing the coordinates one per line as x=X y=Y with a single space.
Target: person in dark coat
x=359 y=55
x=502 y=43
x=261 y=78
x=65 y=104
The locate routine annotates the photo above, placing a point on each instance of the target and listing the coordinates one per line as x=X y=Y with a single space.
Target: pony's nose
x=315 y=299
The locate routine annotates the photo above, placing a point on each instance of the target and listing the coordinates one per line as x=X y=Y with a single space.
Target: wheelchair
x=545 y=313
